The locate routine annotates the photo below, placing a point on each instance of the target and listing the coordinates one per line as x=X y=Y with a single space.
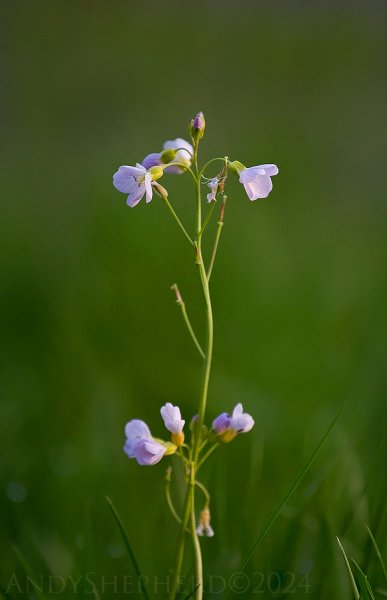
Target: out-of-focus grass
x=91 y=336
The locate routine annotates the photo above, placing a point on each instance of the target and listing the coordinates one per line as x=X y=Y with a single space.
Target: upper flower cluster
x=148 y=450
x=176 y=157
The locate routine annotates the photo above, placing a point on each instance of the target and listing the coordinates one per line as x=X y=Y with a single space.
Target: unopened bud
x=168 y=156
x=160 y=190
x=198 y=125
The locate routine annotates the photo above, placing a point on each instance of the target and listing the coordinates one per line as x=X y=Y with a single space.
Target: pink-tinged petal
x=135 y=196
x=259 y=188
x=148 y=187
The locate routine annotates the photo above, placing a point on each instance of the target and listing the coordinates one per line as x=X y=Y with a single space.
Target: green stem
x=181 y=303
x=207 y=219
x=217 y=238
x=197 y=550
x=180 y=224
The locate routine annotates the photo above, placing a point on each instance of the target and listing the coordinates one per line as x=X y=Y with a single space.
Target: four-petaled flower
x=256 y=180
x=141 y=445
x=228 y=426
x=134 y=181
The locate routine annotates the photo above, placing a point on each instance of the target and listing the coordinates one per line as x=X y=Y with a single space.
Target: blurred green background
x=91 y=335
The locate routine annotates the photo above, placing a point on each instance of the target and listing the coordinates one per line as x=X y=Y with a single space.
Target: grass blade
x=366 y=592
x=378 y=554
x=353 y=582
x=289 y=493
x=29 y=572
x=132 y=556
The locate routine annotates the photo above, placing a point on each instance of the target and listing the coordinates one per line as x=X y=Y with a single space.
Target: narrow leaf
x=125 y=537
x=366 y=592
x=378 y=553
x=353 y=582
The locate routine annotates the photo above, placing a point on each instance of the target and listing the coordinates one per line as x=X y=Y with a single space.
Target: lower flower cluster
x=148 y=450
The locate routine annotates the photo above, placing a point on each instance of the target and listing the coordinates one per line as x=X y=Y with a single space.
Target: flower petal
x=151 y=160
x=270 y=169
x=259 y=188
x=148 y=187
x=135 y=195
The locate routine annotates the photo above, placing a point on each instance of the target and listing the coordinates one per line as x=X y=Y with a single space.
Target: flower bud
x=198 y=125
x=236 y=167
x=168 y=155
x=160 y=190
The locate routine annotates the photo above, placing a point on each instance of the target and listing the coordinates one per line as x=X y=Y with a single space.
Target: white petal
x=148 y=187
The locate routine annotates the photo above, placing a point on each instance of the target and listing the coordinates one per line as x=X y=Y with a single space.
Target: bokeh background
x=91 y=335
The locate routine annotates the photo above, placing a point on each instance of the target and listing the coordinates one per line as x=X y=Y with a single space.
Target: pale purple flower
x=257 y=180
x=172 y=418
x=134 y=181
x=228 y=426
x=141 y=445
x=183 y=155
x=213 y=185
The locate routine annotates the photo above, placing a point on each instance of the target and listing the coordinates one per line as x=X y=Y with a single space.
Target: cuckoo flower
x=141 y=445
x=173 y=422
x=136 y=182
x=256 y=180
x=228 y=426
